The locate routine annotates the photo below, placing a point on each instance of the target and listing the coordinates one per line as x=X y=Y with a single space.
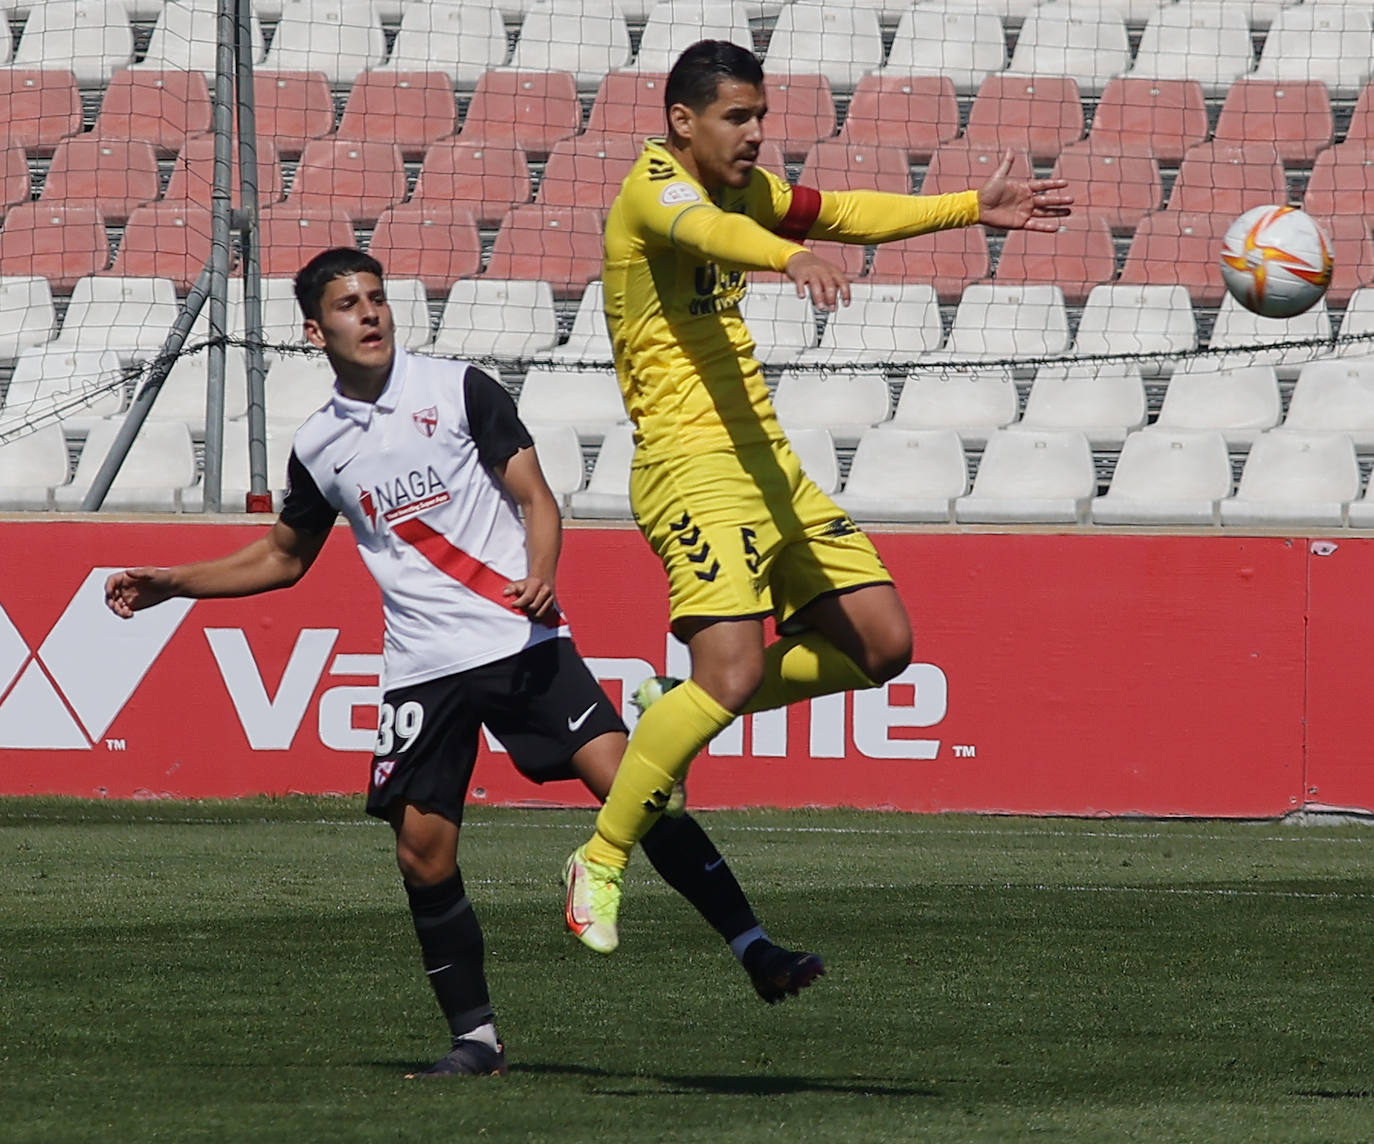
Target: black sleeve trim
x=496 y=429
x=304 y=507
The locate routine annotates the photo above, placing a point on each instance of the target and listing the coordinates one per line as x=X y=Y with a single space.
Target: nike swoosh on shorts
x=574 y=724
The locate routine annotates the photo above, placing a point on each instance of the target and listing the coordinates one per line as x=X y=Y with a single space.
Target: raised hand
x=1022 y=204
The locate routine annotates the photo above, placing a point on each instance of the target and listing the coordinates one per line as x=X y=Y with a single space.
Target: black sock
x=452 y=947
x=689 y=862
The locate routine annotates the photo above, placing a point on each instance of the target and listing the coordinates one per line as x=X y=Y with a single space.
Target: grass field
x=247 y=971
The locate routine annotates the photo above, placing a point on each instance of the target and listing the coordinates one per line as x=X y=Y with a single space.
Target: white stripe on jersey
x=426 y=515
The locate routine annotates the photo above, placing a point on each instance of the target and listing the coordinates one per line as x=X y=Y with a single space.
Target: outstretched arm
x=276 y=560
x=1022 y=204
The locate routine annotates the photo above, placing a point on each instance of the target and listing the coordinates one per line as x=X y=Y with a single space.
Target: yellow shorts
x=746 y=533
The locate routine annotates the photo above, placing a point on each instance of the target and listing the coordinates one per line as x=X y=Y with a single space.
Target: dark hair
x=321 y=270
x=696 y=75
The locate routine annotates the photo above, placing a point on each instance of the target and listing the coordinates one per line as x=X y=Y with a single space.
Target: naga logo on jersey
x=426 y=420
x=403 y=496
x=675 y=194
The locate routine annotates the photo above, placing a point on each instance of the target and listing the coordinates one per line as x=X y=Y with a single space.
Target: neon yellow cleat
x=593 y=903
x=645 y=696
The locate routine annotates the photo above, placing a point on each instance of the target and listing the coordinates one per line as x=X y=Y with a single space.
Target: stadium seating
x=408 y=108
x=781 y=324
x=1103 y=400
x=1119 y=183
x=1256 y=339
x=963 y=165
x=1137 y=320
x=279 y=316
x=296 y=386
x=629 y=103
x=557 y=245
x=336 y=37
x=1203 y=40
x=183 y=393
x=27 y=315
x=841 y=42
x=1088 y=44
x=1039 y=476
x=1228 y=178
x=487 y=317
x=947 y=260
x=974 y=403
x=235 y=476
x=560 y=457
x=1342 y=182
x=158 y=107
x=1167 y=477
x=915 y=112
x=846 y=403
x=905 y=475
x=1178 y=248
x=815 y=449
x=589 y=341
x=801 y=111
x=882 y=323
x=607 y=494
x=1295 y=480
x=291 y=108
x=461 y=38
x=193 y=173
x=1077 y=257
x=1295 y=116
x=963 y=44
x=673 y=25
x=347 y=177
x=91 y=38
x=1162 y=117
x=585 y=37
x=14 y=176
x=534 y=110
x=112 y=175
x=1354 y=264
x=1335 y=397
x=131 y=316
x=1357 y=325
x=60 y=242
x=165 y=240
x=434 y=240
x=39 y=107
x=587 y=170
x=290 y=235
x=1331 y=43
x=159 y=469
x=80 y=387
x=32 y=466
x=1039 y=114
x=1240 y=401
x=487 y=179
x=996 y=321
x=185 y=36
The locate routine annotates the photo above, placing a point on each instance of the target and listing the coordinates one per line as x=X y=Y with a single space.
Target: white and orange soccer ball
x=1276 y=261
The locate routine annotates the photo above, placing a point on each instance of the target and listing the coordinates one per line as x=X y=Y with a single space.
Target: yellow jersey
x=674 y=277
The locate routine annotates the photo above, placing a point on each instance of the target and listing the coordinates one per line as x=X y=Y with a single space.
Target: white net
x=474 y=147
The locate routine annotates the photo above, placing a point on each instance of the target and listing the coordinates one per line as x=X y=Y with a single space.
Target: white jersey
x=440 y=535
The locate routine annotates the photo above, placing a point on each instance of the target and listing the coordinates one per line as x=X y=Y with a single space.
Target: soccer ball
x=1276 y=261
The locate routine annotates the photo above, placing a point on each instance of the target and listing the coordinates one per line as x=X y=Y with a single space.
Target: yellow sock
x=664 y=743
x=802 y=667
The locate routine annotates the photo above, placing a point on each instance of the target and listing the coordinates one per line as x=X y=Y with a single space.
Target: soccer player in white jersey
x=429 y=464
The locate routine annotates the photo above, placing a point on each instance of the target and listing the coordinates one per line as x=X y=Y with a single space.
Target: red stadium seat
x=1175 y=248
x=1229 y=178
x=1342 y=181
x=350 y=177
x=488 y=179
x=1077 y=257
x=39 y=107
x=165 y=240
x=290 y=235
x=1295 y=117
x=1165 y=117
x=157 y=107
x=961 y=166
x=629 y=103
x=587 y=171
x=292 y=108
x=1120 y=186
x=801 y=111
x=1039 y=114
x=915 y=112
x=949 y=260
x=112 y=175
x=1353 y=265
x=850 y=257
x=557 y=245
x=409 y=109
x=14 y=176
x=534 y=109
x=193 y=172
x=436 y=242
x=836 y=165
x=1361 y=128
x=60 y=242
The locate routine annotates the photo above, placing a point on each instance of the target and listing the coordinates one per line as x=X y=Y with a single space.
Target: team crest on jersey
x=675 y=193
x=426 y=420
x=382 y=771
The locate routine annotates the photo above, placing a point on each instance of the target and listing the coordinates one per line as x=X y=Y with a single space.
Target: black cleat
x=467 y=1058
x=777 y=972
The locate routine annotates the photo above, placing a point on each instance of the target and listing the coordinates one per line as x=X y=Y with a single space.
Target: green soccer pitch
x=246 y=971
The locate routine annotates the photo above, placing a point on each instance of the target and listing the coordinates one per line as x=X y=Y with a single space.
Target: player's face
x=724 y=137
x=355 y=328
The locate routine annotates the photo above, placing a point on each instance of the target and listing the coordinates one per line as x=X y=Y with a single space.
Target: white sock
x=739 y=944
x=484 y=1033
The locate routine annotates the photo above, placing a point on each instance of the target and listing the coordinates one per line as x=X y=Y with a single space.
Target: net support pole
x=259 y=496
x=147 y=394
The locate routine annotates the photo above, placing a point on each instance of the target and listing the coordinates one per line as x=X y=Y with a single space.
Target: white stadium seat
x=781 y=324
x=841 y=42
x=974 y=403
x=1242 y=401
x=560 y=457
x=1245 y=331
x=589 y=340
x=673 y=25
x=185 y=36
x=31 y=467
x=296 y=386
x=1203 y=40
x=1167 y=477
x=338 y=37
x=994 y=321
x=235 y=475
x=131 y=316
x=963 y=43
x=182 y=396
x=1295 y=480
x=1031 y=476
x=587 y=399
x=91 y=38
x=1137 y=320
x=462 y=38
x=1335 y=397
x=607 y=494
x=881 y=324
x=159 y=470
x=79 y=387
x=845 y=403
x=585 y=37
x=27 y=315
x=1330 y=42
x=497 y=318
x=815 y=448
x=410 y=308
x=1103 y=400
x=1088 y=43
x=905 y=475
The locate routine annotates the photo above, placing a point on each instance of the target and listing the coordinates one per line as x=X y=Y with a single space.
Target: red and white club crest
x=381 y=771
x=426 y=420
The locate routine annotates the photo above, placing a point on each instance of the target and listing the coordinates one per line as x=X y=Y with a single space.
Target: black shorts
x=542 y=703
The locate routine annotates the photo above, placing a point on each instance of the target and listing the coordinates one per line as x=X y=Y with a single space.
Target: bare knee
x=887 y=653
x=731 y=683
x=426 y=847
x=424 y=867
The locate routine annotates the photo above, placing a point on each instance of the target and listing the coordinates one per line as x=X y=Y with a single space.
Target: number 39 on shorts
x=393 y=723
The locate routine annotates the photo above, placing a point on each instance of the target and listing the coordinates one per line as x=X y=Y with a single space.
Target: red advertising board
x=1153 y=675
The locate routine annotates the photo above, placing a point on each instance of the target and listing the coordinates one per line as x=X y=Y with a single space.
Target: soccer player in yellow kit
x=716 y=489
